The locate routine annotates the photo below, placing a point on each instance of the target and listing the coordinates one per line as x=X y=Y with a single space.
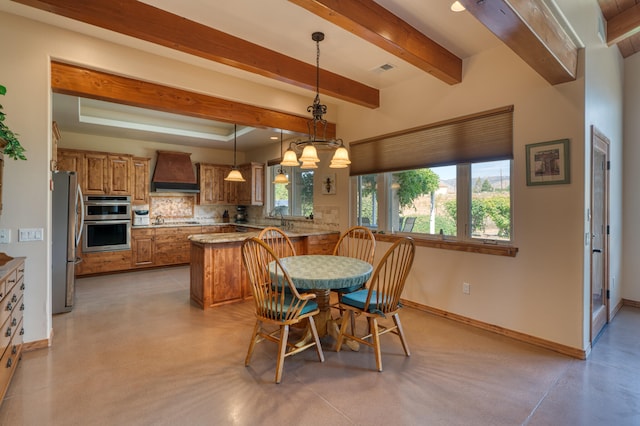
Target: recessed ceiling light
x=274 y=138
x=457 y=6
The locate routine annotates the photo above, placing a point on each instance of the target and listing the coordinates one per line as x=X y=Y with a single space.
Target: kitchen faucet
x=275 y=213
x=159 y=220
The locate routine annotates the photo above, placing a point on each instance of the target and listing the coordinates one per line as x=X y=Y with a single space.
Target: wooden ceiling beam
x=78 y=81
x=139 y=20
x=377 y=25
x=531 y=30
x=623 y=25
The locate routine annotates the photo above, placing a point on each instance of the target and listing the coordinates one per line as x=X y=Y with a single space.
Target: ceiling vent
x=383 y=68
x=174 y=173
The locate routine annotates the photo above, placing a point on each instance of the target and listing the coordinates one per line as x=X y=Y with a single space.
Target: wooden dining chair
x=381 y=299
x=357 y=242
x=278 y=241
x=276 y=307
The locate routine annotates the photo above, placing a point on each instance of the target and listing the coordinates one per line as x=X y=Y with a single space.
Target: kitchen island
x=218 y=276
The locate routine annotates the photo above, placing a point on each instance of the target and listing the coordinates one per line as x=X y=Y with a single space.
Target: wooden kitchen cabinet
x=321 y=244
x=104 y=261
x=71 y=160
x=142 y=247
x=119 y=174
x=218 y=276
x=11 y=319
x=251 y=192
x=172 y=244
x=216 y=229
x=99 y=173
x=213 y=188
x=94 y=175
x=140 y=180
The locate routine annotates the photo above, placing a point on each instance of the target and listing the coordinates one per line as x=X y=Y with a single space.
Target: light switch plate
x=5 y=236
x=30 y=234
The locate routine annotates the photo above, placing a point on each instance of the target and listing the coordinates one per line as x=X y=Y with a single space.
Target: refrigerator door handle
x=81 y=214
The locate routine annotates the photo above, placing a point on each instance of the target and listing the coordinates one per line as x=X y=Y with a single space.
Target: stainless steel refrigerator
x=67 y=217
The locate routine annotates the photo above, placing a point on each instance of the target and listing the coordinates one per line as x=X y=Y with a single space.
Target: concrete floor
x=134 y=351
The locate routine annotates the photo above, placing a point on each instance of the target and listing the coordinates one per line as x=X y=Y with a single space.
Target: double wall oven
x=107 y=223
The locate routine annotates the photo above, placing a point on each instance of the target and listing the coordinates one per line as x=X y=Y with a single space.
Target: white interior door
x=599 y=233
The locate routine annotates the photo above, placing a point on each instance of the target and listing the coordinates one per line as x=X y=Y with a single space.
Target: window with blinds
x=485 y=136
x=448 y=181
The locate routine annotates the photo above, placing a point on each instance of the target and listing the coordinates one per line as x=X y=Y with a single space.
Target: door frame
x=599 y=142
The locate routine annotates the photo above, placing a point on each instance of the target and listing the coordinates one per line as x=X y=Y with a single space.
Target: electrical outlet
x=466 y=288
x=5 y=236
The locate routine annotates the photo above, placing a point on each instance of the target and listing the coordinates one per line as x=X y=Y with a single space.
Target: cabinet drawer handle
x=22 y=307
x=13 y=280
x=14 y=350
x=9 y=306
x=1 y=295
x=22 y=331
x=21 y=270
x=14 y=322
x=22 y=286
x=14 y=298
x=8 y=333
x=9 y=362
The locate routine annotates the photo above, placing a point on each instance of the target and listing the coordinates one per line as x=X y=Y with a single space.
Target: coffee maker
x=241 y=214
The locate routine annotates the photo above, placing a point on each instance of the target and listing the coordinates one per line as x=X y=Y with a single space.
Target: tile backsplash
x=172 y=206
x=184 y=206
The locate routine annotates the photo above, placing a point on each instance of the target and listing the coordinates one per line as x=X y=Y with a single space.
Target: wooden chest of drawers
x=11 y=324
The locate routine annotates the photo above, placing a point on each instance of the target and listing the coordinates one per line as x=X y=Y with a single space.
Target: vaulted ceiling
x=369 y=44
x=623 y=24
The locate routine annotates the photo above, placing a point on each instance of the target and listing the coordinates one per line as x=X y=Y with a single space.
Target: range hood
x=174 y=173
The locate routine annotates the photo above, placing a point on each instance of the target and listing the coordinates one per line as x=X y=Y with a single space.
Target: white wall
x=28 y=106
x=145 y=149
x=544 y=290
x=604 y=75
x=630 y=279
x=540 y=292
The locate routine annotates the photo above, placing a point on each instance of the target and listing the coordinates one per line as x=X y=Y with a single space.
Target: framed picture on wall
x=548 y=163
x=329 y=184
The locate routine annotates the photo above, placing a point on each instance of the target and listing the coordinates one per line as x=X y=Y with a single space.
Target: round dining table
x=322 y=273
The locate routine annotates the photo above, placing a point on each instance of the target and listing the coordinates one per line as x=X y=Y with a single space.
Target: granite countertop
x=232 y=237
x=194 y=223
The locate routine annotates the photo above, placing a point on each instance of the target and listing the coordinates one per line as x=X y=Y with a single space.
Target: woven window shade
x=485 y=136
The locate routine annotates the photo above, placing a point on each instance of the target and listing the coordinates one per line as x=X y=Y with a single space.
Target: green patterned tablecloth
x=326 y=272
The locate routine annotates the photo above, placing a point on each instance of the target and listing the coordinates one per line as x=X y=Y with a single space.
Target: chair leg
x=343 y=329
x=353 y=323
x=282 y=350
x=405 y=346
x=252 y=345
x=373 y=326
x=312 y=324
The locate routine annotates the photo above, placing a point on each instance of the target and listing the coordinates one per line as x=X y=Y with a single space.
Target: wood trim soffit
x=84 y=82
x=145 y=22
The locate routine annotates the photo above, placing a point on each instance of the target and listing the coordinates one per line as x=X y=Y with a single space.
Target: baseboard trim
x=633 y=303
x=516 y=335
x=38 y=344
x=616 y=309
x=35 y=345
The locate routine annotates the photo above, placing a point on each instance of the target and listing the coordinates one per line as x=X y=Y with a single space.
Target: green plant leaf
x=12 y=149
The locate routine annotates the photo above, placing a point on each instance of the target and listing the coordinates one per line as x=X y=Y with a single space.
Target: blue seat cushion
x=358 y=298
x=310 y=306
